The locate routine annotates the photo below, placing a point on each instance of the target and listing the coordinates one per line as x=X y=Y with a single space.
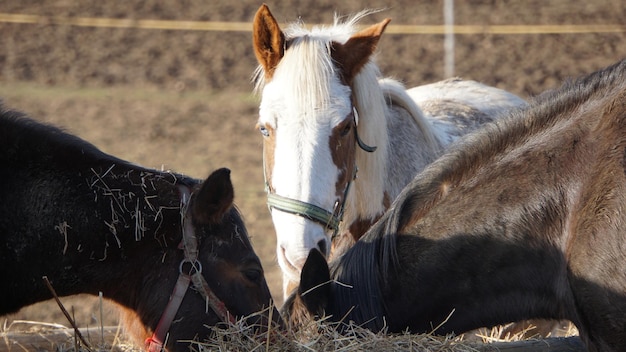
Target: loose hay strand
x=67 y=315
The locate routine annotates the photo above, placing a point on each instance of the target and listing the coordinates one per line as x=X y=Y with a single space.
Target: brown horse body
x=521 y=220
x=93 y=223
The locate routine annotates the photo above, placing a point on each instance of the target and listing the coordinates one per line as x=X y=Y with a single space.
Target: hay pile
x=323 y=336
x=316 y=335
x=240 y=337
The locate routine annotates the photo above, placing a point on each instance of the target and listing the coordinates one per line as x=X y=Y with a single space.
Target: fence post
x=448 y=41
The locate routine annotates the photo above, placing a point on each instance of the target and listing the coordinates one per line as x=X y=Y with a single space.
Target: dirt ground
x=182 y=100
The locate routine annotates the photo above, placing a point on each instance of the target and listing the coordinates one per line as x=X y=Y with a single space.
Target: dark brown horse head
x=231 y=271
x=236 y=275
x=171 y=249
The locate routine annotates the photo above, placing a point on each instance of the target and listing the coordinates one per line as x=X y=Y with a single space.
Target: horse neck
x=144 y=218
x=383 y=173
x=141 y=203
x=138 y=225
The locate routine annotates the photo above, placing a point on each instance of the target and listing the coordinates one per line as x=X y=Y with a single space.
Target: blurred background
x=182 y=99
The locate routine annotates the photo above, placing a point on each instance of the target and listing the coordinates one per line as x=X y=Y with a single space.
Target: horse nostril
x=321 y=246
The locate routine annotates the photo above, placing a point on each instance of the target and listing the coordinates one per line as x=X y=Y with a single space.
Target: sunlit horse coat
x=524 y=219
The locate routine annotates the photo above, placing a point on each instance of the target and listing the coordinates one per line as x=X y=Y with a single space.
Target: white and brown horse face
x=307 y=120
x=307 y=159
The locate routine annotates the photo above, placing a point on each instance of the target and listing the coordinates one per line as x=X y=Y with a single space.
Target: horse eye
x=253 y=275
x=346 y=130
x=264 y=131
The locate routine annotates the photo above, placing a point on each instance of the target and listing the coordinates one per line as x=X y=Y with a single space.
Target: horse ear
x=355 y=53
x=214 y=198
x=314 y=288
x=268 y=40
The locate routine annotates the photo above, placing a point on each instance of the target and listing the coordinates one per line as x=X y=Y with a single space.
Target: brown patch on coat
x=268 y=40
x=342 y=144
x=360 y=226
x=355 y=53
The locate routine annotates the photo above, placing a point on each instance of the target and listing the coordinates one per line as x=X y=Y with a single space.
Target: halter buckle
x=194 y=267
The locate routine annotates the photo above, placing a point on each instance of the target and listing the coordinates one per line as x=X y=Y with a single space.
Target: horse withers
x=523 y=219
x=93 y=223
x=339 y=141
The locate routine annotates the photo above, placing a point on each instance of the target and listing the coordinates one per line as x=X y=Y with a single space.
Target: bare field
x=182 y=100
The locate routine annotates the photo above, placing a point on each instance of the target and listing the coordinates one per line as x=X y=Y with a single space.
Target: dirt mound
x=86 y=56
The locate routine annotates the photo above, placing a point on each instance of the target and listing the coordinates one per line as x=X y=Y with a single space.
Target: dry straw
x=322 y=335
x=316 y=335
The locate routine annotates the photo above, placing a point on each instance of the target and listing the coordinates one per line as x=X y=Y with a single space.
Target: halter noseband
x=329 y=219
x=189 y=244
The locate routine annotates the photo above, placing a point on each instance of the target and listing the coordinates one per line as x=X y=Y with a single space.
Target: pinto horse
x=326 y=113
x=523 y=219
x=93 y=223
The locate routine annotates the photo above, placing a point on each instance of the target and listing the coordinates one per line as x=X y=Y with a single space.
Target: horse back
x=456 y=107
x=25 y=142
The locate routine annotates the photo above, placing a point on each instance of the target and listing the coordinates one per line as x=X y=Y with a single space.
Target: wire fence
x=247 y=26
